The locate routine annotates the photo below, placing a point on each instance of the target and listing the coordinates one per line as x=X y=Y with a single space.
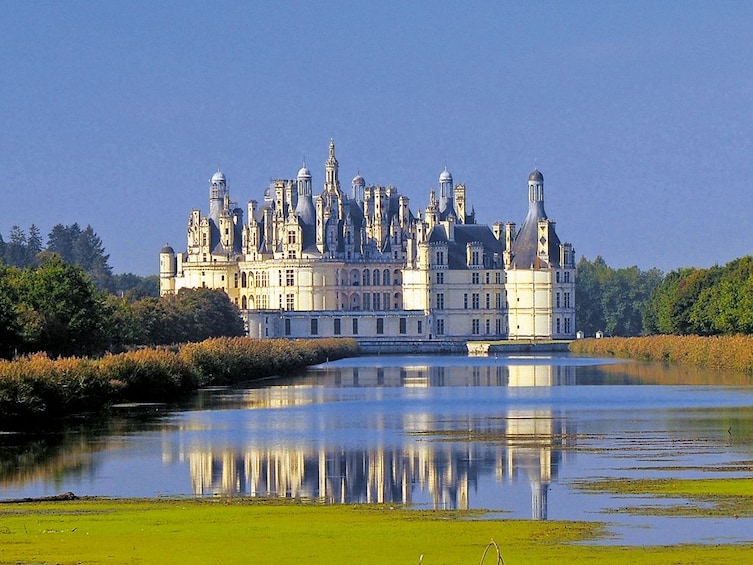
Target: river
x=517 y=435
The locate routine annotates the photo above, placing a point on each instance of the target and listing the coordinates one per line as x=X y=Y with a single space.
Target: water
x=516 y=435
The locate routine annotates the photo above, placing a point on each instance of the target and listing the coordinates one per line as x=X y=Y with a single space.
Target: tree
x=60 y=310
x=135 y=287
x=612 y=300
x=16 y=248
x=10 y=337
x=83 y=248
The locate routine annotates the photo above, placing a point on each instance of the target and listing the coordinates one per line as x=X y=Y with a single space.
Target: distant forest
x=62 y=299
x=688 y=301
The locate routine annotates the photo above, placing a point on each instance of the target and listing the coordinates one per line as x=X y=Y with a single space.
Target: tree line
x=64 y=300
x=689 y=301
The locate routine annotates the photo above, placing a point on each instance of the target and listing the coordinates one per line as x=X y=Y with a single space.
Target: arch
x=244 y=302
x=244 y=280
x=398 y=299
x=386 y=277
x=396 y=277
x=355 y=277
x=375 y=280
x=355 y=301
x=251 y=302
x=366 y=281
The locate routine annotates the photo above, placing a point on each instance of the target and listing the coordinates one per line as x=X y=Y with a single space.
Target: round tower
x=168 y=269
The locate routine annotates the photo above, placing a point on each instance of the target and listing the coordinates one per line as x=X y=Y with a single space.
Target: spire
x=331 y=181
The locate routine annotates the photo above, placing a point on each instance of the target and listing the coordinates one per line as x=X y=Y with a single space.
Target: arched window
x=366 y=277
x=386 y=277
x=396 y=277
x=376 y=277
x=244 y=280
x=244 y=303
x=398 y=301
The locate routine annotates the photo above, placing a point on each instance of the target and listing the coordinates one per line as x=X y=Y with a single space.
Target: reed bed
x=718 y=352
x=35 y=388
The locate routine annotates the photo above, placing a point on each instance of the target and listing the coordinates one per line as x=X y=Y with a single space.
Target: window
x=567 y=325
x=474 y=257
x=558 y=326
x=377 y=301
x=380 y=326
x=498 y=326
x=386 y=277
x=557 y=276
x=289 y=277
x=386 y=300
x=376 y=277
x=291 y=237
x=314 y=326
x=366 y=279
x=488 y=300
x=287 y=326
x=488 y=326
x=420 y=328
x=403 y=325
x=355 y=326
x=474 y=278
x=440 y=327
x=567 y=300
x=279 y=277
x=475 y=300
x=465 y=301
x=440 y=301
x=290 y=301
x=498 y=277
x=244 y=280
x=488 y=274
x=557 y=300
x=475 y=326
x=498 y=298
x=440 y=278
x=440 y=257
x=292 y=254
x=567 y=276
x=367 y=301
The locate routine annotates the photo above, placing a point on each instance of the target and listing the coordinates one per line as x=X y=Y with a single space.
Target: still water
x=513 y=434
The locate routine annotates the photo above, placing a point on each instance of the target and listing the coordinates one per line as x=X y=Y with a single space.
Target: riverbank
x=36 y=389
x=185 y=531
x=733 y=353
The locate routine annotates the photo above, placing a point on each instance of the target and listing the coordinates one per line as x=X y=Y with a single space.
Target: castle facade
x=363 y=265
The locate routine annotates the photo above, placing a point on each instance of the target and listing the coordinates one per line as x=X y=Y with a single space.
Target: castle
x=363 y=265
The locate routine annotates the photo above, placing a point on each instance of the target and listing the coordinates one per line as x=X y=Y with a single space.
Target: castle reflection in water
x=437 y=467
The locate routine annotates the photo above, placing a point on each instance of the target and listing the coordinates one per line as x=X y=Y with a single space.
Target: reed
x=35 y=388
x=718 y=352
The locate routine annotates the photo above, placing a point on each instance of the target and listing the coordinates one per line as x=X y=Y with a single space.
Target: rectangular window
x=475 y=326
x=498 y=326
x=440 y=301
x=488 y=300
x=557 y=276
x=289 y=277
x=440 y=278
x=314 y=326
x=557 y=300
x=355 y=326
x=440 y=327
x=474 y=257
x=465 y=301
x=567 y=300
x=557 y=326
x=420 y=328
x=475 y=300
x=291 y=237
x=337 y=328
x=377 y=301
x=488 y=327
x=386 y=300
x=474 y=278
x=498 y=277
x=567 y=325
x=367 y=301
x=440 y=257
x=567 y=276
x=488 y=274
x=279 y=277
x=498 y=298
x=403 y=326
x=290 y=301
x=380 y=326
x=287 y=326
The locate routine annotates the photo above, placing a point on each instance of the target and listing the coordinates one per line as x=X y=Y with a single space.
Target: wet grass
x=724 y=497
x=266 y=532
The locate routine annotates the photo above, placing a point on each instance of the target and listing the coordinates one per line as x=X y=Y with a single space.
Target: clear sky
x=639 y=114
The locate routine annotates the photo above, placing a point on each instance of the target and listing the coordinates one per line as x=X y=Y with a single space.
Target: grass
x=203 y=531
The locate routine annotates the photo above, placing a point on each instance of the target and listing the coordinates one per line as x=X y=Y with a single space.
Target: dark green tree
x=60 y=310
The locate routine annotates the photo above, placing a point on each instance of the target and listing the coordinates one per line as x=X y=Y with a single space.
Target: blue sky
x=639 y=114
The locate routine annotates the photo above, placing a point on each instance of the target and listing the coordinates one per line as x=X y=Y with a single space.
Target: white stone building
x=363 y=265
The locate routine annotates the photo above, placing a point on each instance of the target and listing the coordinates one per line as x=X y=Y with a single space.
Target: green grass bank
x=35 y=388
x=187 y=531
x=734 y=353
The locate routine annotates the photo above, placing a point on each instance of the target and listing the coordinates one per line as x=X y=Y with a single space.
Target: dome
x=167 y=249
x=445 y=176
x=219 y=176
x=358 y=180
x=304 y=173
x=536 y=176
